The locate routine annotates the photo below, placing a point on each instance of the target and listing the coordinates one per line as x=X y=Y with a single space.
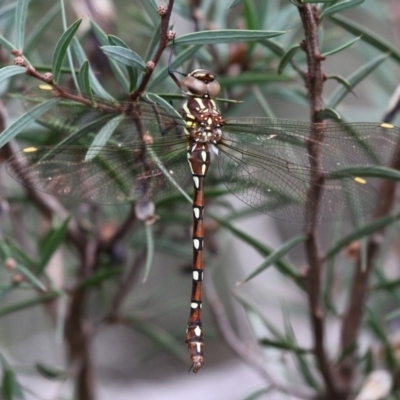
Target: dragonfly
x=122 y=152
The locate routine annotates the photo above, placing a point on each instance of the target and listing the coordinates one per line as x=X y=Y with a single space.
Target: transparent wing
x=266 y=164
x=78 y=119
x=107 y=152
x=111 y=174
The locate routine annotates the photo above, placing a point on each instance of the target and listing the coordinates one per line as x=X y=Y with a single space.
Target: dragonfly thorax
x=203 y=120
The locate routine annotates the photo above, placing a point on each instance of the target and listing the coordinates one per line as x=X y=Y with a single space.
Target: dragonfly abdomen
x=199 y=161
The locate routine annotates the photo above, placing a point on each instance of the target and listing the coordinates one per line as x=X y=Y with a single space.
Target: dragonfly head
x=201 y=83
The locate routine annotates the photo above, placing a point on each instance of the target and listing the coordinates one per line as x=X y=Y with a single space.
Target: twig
x=164 y=39
x=77 y=334
x=125 y=288
x=314 y=83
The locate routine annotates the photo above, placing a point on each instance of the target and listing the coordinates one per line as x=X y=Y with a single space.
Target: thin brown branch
x=124 y=228
x=77 y=334
x=125 y=288
x=248 y=355
x=314 y=83
x=164 y=39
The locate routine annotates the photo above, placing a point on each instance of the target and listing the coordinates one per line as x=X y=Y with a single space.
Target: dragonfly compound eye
x=213 y=89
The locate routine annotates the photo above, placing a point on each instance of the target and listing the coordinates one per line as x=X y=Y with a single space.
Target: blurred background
x=146 y=358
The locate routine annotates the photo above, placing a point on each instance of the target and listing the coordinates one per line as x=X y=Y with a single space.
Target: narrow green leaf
x=342 y=47
x=341 y=80
x=251 y=18
x=96 y=86
x=362 y=232
x=329 y=113
x=6 y=44
x=284 y=345
x=5 y=250
x=61 y=49
x=259 y=96
x=50 y=372
x=5 y=290
x=101 y=36
x=68 y=50
x=250 y=309
x=153 y=4
x=132 y=72
x=287 y=57
x=10 y=387
x=124 y=56
x=254 y=243
x=11 y=309
x=387 y=285
x=11 y=70
x=259 y=394
x=306 y=371
x=116 y=41
x=154 y=98
x=52 y=242
x=367 y=36
x=149 y=252
x=151 y=8
x=277 y=255
x=63 y=305
x=25 y=120
x=100 y=276
x=303 y=364
x=377 y=327
x=102 y=137
x=161 y=337
x=84 y=78
x=339 y=7
x=372 y=172
x=20 y=23
x=20 y=255
x=30 y=277
x=226 y=36
x=283 y=266
x=105 y=40
x=355 y=78
x=395 y=314
x=275 y=47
